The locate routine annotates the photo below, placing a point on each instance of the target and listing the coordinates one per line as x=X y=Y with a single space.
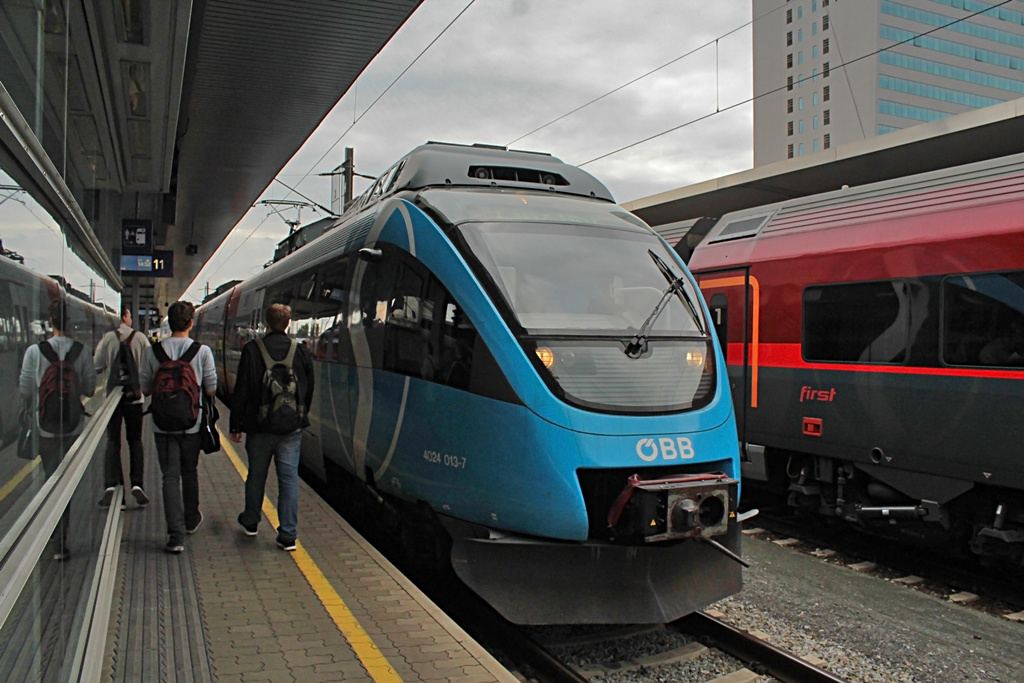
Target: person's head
x=126 y=315
x=278 y=316
x=179 y=315
x=58 y=315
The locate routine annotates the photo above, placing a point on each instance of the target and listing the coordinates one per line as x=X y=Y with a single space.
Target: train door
x=733 y=297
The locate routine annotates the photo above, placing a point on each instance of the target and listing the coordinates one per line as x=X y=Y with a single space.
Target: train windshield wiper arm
x=638 y=344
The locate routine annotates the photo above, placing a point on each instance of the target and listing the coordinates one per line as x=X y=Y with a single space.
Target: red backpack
x=60 y=399
x=176 y=396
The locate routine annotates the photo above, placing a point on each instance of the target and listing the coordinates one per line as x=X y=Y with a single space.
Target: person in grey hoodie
x=129 y=410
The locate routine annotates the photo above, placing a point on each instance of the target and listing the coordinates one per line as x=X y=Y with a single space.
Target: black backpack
x=60 y=398
x=280 y=411
x=176 y=396
x=125 y=371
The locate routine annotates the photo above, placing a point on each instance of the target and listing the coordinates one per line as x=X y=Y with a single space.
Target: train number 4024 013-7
x=447 y=459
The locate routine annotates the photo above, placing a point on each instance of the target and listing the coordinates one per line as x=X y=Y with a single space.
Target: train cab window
x=983 y=320
x=864 y=322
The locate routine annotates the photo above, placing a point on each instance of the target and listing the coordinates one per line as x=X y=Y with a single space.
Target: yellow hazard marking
x=6 y=489
x=375 y=663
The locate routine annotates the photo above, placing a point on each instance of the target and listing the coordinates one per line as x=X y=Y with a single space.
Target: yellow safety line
x=19 y=477
x=376 y=664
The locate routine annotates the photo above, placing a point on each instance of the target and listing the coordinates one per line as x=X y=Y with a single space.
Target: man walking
x=273 y=393
x=121 y=352
x=56 y=375
x=174 y=371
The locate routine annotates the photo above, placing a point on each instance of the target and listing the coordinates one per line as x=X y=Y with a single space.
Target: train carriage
x=875 y=342
x=498 y=343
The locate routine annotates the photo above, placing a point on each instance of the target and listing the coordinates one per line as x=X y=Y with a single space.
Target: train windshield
x=584 y=294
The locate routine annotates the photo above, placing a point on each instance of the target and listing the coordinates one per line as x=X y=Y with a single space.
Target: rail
x=757 y=653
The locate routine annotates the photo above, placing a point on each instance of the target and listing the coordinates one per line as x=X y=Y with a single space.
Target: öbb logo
x=666 y=448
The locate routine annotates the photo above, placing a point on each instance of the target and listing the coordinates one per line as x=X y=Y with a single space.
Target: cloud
x=506 y=68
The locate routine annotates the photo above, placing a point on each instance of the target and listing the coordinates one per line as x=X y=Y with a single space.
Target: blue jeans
x=284 y=448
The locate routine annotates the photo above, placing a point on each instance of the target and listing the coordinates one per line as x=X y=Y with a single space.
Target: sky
x=505 y=68
x=505 y=72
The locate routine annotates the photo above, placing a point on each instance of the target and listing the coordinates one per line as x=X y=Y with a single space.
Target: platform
x=237 y=608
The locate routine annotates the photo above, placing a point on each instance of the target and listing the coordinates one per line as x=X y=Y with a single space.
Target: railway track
x=705 y=637
x=998 y=589
x=525 y=650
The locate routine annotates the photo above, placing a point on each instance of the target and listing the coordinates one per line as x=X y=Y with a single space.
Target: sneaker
x=286 y=543
x=140 y=496
x=174 y=547
x=196 y=527
x=108 y=495
x=249 y=530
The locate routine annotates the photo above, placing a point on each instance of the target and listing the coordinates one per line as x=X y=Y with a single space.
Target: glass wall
x=47 y=295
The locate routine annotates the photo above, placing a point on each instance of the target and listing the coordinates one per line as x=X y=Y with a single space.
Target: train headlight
x=694 y=358
x=546 y=355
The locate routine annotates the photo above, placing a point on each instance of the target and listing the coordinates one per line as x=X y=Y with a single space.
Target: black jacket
x=249 y=380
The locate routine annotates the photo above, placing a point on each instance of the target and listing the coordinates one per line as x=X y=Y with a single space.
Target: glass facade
x=50 y=132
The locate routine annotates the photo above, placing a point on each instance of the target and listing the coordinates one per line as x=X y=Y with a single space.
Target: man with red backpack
x=56 y=375
x=175 y=373
x=121 y=351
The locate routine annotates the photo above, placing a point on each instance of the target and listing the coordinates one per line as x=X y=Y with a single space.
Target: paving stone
x=255 y=617
x=963 y=598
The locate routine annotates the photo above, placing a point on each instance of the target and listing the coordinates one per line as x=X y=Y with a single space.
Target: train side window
x=983 y=319
x=298 y=292
x=333 y=343
x=405 y=337
x=865 y=322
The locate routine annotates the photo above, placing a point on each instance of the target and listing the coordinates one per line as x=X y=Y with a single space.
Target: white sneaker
x=140 y=496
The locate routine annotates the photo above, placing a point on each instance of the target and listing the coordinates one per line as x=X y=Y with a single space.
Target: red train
x=875 y=346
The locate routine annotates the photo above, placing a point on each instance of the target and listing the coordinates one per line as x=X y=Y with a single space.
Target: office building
x=831 y=72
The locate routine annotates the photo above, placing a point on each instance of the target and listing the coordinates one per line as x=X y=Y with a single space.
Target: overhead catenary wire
x=655 y=70
x=749 y=100
x=355 y=120
x=385 y=91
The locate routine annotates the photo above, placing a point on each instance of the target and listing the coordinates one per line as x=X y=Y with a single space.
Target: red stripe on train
x=789 y=356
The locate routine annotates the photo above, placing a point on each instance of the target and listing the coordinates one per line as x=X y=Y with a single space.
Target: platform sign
x=163 y=263
x=136 y=236
x=132 y=264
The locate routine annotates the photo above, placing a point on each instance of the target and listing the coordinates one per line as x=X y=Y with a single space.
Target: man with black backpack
x=56 y=375
x=176 y=372
x=121 y=351
x=273 y=392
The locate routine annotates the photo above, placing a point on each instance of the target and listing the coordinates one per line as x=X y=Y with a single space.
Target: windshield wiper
x=638 y=344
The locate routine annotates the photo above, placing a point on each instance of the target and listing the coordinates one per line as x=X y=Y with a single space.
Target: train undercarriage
x=960 y=518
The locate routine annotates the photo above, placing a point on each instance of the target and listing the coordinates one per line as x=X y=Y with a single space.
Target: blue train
x=503 y=349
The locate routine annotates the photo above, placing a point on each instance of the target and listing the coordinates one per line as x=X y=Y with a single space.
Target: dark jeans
x=179 y=461
x=131 y=413
x=284 y=448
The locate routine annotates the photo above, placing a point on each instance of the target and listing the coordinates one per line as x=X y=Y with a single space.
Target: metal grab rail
x=23 y=546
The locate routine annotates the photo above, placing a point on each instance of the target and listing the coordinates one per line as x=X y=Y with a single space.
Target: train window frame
x=900 y=288
x=1000 y=321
